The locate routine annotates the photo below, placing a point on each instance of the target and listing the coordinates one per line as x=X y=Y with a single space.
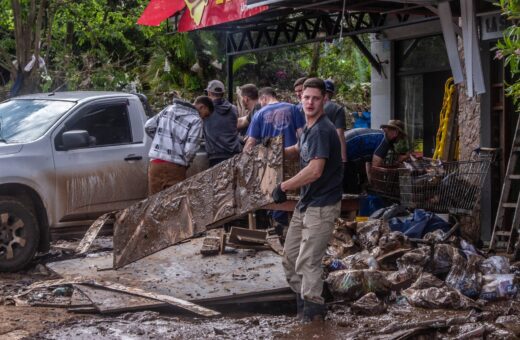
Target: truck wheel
x=19 y=235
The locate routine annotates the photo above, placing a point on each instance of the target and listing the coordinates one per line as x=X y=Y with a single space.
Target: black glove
x=279 y=196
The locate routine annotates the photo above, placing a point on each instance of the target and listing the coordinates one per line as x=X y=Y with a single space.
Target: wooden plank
x=78 y=299
x=93 y=232
x=130 y=290
x=159 y=297
x=232 y=188
x=109 y=301
x=241 y=235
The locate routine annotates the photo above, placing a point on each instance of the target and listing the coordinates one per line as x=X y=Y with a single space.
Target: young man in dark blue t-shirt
x=273 y=119
x=319 y=181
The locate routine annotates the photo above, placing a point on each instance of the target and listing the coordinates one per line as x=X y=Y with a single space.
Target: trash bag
x=369 y=304
x=418 y=257
x=421 y=223
x=370 y=203
x=427 y=280
x=392 y=241
x=442 y=258
x=495 y=265
x=352 y=284
x=464 y=275
x=499 y=286
x=402 y=279
x=434 y=297
x=361 y=260
x=387 y=213
x=368 y=233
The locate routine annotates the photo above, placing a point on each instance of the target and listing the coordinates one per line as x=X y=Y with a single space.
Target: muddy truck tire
x=19 y=235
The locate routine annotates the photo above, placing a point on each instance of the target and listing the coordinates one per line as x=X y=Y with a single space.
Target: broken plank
x=159 y=297
x=275 y=244
x=238 y=235
x=78 y=299
x=110 y=301
x=130 y=290
x=232 y=188
x=93 y=232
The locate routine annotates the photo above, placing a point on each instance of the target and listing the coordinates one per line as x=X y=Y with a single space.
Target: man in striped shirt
x=177 y=134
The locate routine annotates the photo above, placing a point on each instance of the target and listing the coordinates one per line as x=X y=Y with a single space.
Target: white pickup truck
x=65 y=159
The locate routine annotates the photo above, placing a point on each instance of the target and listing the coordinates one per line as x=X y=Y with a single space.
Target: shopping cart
x=449 y=187
x=385 y=182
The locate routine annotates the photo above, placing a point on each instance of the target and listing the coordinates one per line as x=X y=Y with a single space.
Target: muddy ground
x=497 y=320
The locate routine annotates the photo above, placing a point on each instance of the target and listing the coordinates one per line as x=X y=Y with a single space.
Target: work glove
x=279 y=196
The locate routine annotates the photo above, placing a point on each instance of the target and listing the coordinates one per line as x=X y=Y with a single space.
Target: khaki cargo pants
x=305 y=245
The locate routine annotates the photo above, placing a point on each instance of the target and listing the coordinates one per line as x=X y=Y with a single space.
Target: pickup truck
x=65 y=159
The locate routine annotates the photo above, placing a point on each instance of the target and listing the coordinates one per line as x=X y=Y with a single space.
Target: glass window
x=422 y=54
x=108 y=125
x=25 y=120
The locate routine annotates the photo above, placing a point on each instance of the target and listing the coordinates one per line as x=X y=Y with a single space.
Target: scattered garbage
x=422 y=260
x=369 y=304
x=495 y=265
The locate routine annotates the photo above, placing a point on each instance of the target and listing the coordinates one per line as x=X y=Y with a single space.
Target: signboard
x=492 y=25
x=197 y=13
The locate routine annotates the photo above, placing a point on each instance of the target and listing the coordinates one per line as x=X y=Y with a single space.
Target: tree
x=508 y=48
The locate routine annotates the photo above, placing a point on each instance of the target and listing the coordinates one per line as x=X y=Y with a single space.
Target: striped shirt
x=178 y=133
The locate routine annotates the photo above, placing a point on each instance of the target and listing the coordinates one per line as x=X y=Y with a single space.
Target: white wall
x=381 y=92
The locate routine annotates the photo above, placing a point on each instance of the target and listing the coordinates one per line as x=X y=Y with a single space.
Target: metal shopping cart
x=446 y=187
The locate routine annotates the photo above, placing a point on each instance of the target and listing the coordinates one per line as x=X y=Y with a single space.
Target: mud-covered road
x=29 y=318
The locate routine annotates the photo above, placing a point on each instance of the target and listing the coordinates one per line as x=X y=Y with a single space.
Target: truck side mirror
x=74 y=139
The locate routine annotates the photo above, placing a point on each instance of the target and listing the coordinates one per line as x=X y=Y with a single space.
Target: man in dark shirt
x=336 y=114
x=319 y=181
x=220 y=129
x=367 y=148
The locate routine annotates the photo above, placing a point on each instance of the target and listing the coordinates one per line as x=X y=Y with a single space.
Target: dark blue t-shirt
x=275 y=119
x=362 y=144
x=321 y=141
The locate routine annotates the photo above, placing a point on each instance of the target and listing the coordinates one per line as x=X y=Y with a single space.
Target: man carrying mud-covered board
x=319 y=181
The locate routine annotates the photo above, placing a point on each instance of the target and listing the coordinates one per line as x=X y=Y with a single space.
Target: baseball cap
x=329 y=86
x=216 y=86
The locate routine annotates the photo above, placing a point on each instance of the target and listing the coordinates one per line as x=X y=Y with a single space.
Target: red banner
x=198 y=13
x=159 y=10
x=216 y=12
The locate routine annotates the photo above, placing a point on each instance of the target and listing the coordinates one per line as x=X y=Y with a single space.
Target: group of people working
x=314 y=133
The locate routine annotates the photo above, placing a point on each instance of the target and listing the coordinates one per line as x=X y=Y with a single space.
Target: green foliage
x=509 y=47
x=243 y=60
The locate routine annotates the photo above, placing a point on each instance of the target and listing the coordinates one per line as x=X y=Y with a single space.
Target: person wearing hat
x=220 y=129
x=336 y=114
x=366 y=148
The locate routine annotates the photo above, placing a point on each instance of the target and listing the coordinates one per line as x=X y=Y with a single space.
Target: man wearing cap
x=319 y=181
x=336 y=114
x=367 y=148
x=220 y=129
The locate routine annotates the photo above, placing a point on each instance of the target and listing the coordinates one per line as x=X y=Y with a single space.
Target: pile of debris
x=371 y=266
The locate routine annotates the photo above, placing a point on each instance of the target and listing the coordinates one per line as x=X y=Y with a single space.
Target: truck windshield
x=25 y=120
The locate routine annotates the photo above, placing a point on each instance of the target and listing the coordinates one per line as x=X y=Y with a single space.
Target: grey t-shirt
x=321 y=141
x=336 y=114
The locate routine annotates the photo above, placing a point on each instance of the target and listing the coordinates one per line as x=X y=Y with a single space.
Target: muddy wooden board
x=181 y=271
x=230 y=189
x=109 y=301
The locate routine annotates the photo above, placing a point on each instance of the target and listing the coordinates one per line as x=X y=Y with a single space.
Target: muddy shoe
x=299 y=307
x=313 y=312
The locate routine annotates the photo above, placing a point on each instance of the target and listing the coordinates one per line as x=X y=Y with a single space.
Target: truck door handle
x=133 y=158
